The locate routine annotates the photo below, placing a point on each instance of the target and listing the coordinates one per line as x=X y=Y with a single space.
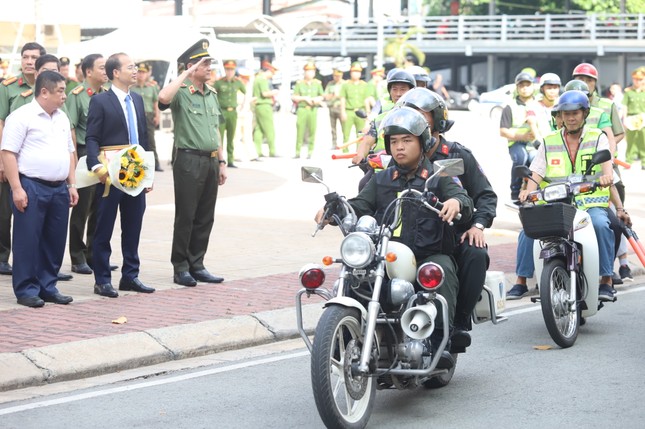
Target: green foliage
x=530 y=7
x=399 y=46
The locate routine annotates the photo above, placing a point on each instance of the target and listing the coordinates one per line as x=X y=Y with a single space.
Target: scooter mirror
x=598 y=158
x=449 y=167
x=361 y=113
x=522 y=171
x=312 y=174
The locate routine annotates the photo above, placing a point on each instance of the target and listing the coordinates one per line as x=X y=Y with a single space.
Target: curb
x=60 y=362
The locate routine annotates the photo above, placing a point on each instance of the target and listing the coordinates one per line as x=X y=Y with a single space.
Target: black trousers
x=472 y=263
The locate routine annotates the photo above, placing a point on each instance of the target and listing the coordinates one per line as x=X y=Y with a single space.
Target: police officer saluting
x=199 y=166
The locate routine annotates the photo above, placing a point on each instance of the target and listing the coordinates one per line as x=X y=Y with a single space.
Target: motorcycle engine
x=411 y=353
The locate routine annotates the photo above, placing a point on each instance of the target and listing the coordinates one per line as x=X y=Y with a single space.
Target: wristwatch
x=221 y=161
x=479 y=226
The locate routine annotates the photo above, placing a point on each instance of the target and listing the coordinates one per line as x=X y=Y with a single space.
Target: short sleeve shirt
x=227 y=92
x=354 y=94
x=261 y=85
x=312 y=88
x=42 y=142
x=150 y=94
x=196 y=117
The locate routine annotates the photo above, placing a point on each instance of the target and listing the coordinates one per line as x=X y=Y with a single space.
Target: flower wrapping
x=131 y=170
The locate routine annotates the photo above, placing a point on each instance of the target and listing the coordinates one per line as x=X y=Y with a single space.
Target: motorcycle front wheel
x=343 y=400
x=555 y=294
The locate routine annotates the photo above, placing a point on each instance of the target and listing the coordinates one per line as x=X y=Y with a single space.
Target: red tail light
x=312 y=276
x=430 y=276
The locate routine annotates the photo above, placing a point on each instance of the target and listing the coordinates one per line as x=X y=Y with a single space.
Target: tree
x=399 y=47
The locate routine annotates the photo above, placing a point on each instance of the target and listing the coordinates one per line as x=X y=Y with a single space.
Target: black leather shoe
x=135 y=285
x=159 y=169
x=31 y=301
x=81 y=269
x=58 y=298
x=185 y=279
x=204 y=276
x=114 y=267
x=64 y=277
x=105 y=290
x=459 y=340
x=5 y=268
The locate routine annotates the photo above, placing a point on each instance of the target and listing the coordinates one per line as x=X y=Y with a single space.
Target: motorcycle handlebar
x=434 y=202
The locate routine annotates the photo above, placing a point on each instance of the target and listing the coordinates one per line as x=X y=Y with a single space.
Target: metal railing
x=494 y=28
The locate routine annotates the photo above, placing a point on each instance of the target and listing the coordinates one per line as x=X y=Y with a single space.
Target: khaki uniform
x=150 y=94
x=307 y=114
x=80 y=251
x=227 y=97
x=196 y=117
x=10 y=89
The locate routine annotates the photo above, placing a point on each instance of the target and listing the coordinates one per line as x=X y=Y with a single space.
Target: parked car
x=492 y=103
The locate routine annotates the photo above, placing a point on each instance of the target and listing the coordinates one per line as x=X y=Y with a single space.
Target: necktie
x=132 y=130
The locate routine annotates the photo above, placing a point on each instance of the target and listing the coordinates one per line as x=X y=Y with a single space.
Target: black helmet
x=430 y=102
x=523 y=77
x=405 y=120
x=577 y=85
x=400 y=76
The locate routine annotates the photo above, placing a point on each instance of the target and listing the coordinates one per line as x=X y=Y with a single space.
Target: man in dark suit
x=115 y=120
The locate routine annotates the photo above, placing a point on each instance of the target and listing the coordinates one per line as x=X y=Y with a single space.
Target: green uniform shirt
x=354 y=94
x=261 y=85
x=9 y=90
x=334 y=89
x=634 y=101
x=227 y=92
x=23 y=98
x=70 y=85
x=150 y=94
x=312 y=89
x=196 y=118
x=76 y=107
x=610 y=108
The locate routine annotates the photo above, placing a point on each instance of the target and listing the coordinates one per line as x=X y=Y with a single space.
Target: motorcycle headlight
x=464 y=96
x=357 y=250
x=555 y=192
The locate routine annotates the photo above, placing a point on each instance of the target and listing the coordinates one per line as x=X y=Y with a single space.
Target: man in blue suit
x=115 y=120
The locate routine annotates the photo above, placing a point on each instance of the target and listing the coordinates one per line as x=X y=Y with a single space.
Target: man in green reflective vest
x=568 y=151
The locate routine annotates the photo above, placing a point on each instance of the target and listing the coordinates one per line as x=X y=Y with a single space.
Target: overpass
x=487 y=50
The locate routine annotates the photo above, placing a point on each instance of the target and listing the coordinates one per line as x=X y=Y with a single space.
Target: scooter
x=565 y=252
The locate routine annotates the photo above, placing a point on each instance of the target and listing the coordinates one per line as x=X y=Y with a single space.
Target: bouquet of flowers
x=131 y=170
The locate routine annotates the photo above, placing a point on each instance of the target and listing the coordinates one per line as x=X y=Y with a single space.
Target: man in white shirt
x=39 y=160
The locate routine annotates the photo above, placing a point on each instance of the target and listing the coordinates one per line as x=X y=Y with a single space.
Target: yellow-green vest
x=594 y=116
x=558 y=165
x=519 y=119
x=386 y=106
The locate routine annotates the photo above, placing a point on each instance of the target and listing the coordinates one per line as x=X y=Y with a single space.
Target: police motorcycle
x=565 y=252
x=375 y=330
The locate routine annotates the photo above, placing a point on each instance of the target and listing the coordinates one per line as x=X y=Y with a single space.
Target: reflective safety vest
x=386 y=106
x=519 y=123
x=558 y=165
x=594 y=116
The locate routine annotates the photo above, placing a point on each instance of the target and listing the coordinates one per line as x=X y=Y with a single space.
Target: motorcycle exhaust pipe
x=418 y=322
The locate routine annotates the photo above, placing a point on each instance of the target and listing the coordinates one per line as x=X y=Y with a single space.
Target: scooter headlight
x=555 y=192
x=357 y=250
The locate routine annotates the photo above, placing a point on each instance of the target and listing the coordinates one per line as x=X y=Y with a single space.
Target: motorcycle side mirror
x=449 y=167
x=598 y=158
x=361 y=113
x=522 y=171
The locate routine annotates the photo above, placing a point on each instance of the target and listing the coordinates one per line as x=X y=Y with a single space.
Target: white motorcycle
x=379 y=316
x=565 y=252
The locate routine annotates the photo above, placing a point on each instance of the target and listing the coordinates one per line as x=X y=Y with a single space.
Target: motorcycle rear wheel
x=343 y=400
x=555 y=292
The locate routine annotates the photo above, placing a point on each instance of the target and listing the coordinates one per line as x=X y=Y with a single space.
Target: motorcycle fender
x=346 y=301
x=585 y=235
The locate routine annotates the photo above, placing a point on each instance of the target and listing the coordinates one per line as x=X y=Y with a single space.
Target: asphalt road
x=503 y=381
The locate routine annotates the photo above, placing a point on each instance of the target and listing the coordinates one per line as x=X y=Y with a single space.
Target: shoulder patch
x=77 y=90
x=9 y=81
x=26 y=93
x=210 y=88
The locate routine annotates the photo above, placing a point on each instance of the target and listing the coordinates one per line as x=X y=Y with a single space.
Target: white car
x=492 y=102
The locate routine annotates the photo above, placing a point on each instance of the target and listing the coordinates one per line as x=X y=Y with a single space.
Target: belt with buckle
x=50 y=183
x=204 y=153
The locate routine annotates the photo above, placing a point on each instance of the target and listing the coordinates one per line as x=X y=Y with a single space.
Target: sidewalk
x=261 y=238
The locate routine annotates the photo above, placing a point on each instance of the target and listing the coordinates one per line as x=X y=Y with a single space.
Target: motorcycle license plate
x=358 y=272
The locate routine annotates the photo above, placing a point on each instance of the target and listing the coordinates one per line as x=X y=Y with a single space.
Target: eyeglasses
x=129 y=68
